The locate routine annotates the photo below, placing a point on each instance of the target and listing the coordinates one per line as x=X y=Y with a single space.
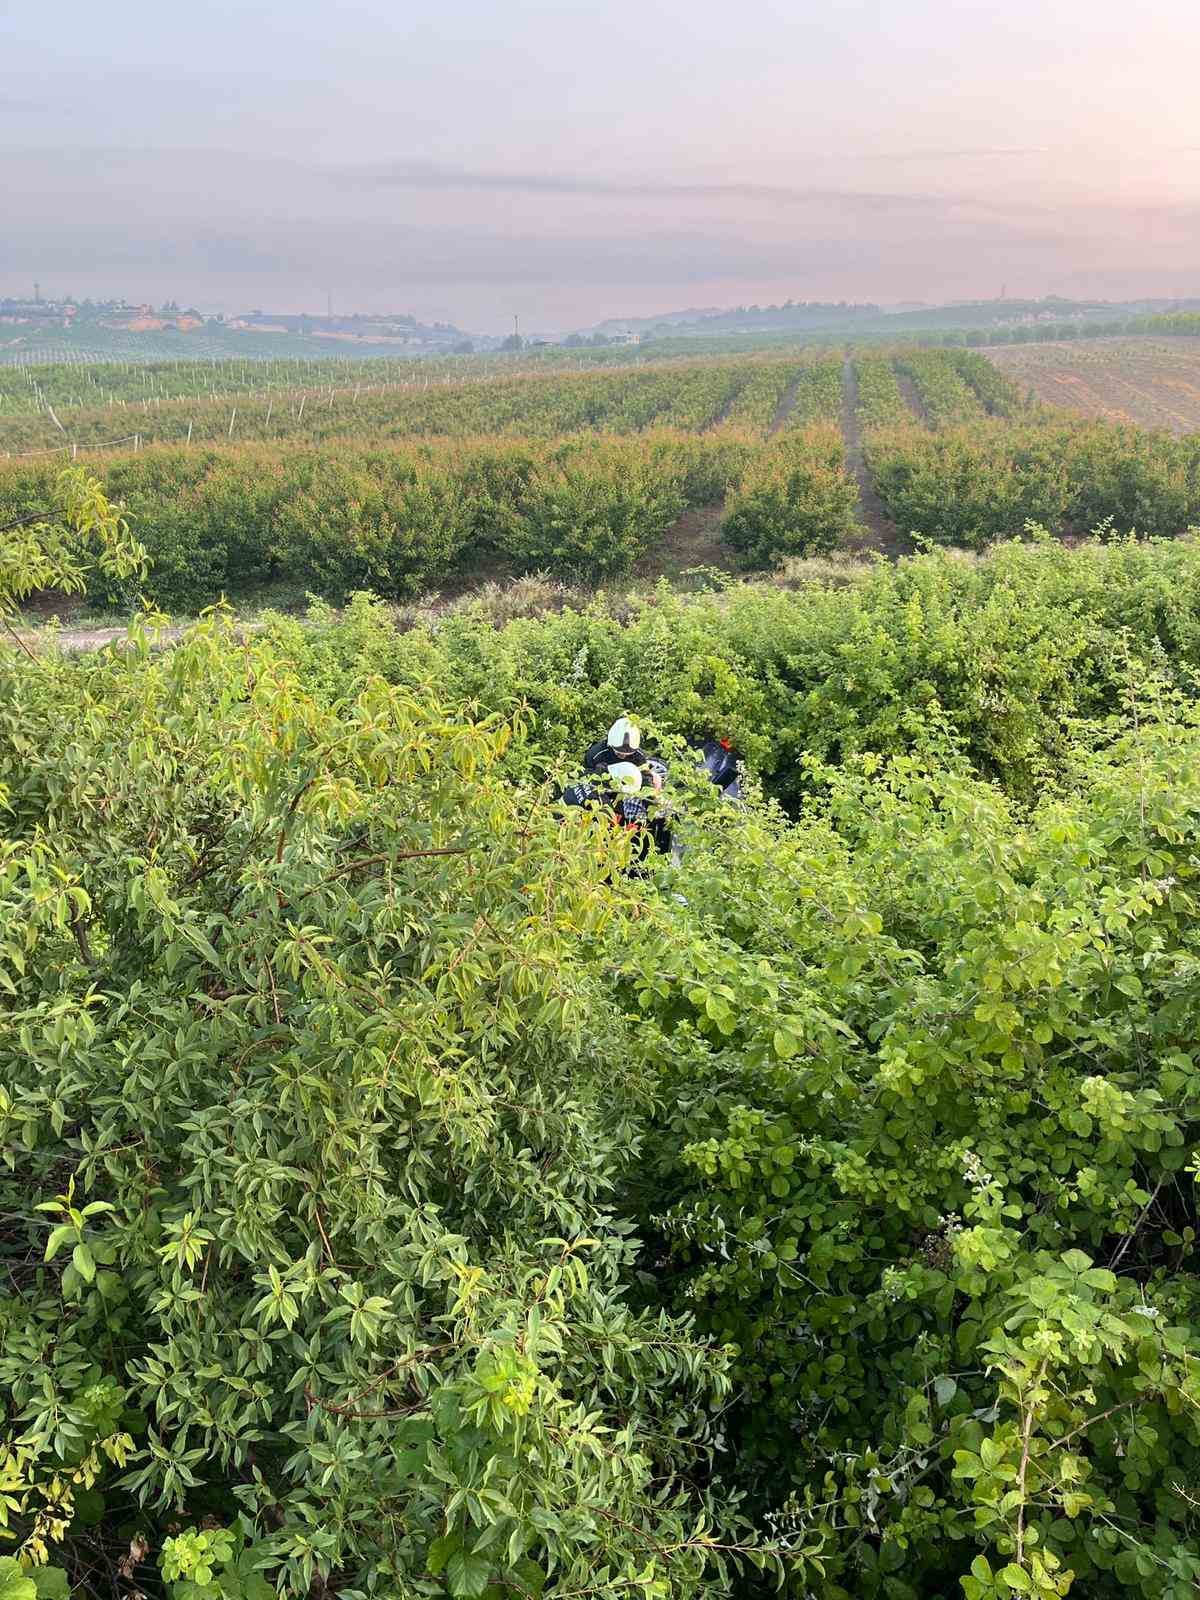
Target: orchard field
x=402 y=1198
x=402 y=484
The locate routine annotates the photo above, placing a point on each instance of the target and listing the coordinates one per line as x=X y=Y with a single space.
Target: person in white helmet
x=623 y=777
x=623 y=743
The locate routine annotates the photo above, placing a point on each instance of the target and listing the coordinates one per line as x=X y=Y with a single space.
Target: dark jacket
x=600 y=756
x=721 y=764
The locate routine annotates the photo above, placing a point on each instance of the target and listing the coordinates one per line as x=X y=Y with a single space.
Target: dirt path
x=96 y=638
x=912 y=399
x=784 y=409
x=881 y=532
x=722 y=416
x=694 y=541
x=73 y=640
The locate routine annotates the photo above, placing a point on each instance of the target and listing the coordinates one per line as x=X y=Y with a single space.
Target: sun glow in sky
x=569 y=161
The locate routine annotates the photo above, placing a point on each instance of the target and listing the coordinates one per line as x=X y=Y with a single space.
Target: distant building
x=625 y=336
x=37 y=313
x=253 y=324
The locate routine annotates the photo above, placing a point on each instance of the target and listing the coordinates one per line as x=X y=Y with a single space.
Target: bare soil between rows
x=881 y=533
x=908 y=393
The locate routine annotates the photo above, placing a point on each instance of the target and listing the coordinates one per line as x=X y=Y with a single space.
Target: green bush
x=880 y=403
x=1148 y=482
x=399 y=520
x=796 y=499
x=394 y=527
x=971 y=484
x=588 y=524
x=944 y=392
x=708 y=466
x=1000 y=396
x=1007 y=654
x=818 y=395
x=926 y=1160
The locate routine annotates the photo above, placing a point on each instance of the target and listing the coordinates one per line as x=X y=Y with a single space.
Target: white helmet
x=624 y=735
x=626 y=776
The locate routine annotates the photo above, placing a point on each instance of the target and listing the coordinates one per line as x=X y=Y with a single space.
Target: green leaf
x=58 y=1237
x=531 y=1576
x=1125 y=1567
x=1017 y=1579
x=786 y=1043
x=83 y=1262
x=467 y=1574
x=51 y=1583
x=15 y=1583
x=1099 y=1278
x=441 y=1550
x=1076 y=1260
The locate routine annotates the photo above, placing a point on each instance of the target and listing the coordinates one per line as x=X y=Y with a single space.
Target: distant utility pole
x=37 y=294
x=516 y=326
x=329 y=305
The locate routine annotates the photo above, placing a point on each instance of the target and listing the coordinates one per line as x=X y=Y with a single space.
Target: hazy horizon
x=568 y=166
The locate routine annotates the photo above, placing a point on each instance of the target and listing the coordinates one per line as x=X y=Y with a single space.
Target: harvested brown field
x=1153 y=382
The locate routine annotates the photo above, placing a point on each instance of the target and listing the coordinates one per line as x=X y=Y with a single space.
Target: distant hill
x=667 y=319
x=397 y=330
x=793 y=316
x=1007 y=312
x=856 y=320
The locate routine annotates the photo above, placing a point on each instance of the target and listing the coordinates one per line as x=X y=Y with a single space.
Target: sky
x=565 y=160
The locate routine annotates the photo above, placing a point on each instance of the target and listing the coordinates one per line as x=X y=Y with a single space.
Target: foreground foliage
x=75 y=531
x=311 y=1137
x=932 y=1172
x=399 y=1199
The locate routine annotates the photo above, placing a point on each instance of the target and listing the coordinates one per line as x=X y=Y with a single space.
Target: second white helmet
x=626 y=776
